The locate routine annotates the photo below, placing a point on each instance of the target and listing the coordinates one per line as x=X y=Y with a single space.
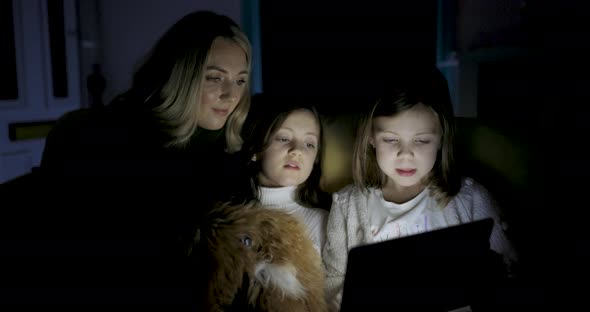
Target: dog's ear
x=230 y=258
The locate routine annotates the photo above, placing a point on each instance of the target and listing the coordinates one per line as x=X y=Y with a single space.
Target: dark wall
x=336 y=53
x=550 y=68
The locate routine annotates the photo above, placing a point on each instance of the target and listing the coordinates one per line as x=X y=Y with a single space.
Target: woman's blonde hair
x=445 y=182
x=170 y=81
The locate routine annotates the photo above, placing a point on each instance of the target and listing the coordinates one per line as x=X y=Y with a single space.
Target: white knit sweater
x=357 y=219
x=283 y=198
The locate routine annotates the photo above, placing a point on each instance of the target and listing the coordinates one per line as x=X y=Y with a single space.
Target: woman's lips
x=405 y=172
x=221 y=112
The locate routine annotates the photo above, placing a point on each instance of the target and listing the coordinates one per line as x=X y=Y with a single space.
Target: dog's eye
x=247 y=241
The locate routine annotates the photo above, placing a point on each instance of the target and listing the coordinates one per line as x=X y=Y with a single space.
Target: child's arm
x=484 y=206
x=335 y=252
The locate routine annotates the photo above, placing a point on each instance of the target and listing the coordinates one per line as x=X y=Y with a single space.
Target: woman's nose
x=229 y=91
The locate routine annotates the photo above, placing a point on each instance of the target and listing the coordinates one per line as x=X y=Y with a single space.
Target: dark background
x=338 y=53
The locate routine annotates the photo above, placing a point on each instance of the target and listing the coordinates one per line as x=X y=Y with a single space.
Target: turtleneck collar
x=277 y=196
x=206 y=137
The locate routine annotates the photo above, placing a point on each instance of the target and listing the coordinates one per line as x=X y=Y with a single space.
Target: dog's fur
x=267 y=251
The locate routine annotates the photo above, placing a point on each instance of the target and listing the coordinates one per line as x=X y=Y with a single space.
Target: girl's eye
x=390 y=140
x=310 y=145
x=422 y=141
x=282 y=139
x=241 y=82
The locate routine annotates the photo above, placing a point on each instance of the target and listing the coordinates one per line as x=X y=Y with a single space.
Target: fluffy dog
x=262 y=255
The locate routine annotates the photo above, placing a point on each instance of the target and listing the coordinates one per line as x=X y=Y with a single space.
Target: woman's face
x=224 y=83
x=291 y=152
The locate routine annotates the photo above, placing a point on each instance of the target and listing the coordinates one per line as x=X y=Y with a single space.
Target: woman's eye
x=310 y=145
x=422 y=141
x=281 y=139
x=213 y=79
x=241 y=82
x=389 y=140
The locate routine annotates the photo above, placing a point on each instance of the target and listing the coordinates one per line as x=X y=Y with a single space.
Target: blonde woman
x=143 y=168
x=194 y=82
x=179 y=121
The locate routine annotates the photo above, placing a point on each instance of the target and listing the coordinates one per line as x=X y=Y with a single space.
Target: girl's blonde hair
x=170 y=81
x=445 y=182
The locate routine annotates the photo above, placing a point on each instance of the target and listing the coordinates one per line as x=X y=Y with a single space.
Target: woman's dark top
x=127 y=205
x=116 y=157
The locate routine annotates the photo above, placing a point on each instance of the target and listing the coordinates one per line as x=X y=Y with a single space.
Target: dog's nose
x=247 y=241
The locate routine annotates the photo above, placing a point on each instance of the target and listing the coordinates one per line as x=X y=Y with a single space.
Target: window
x=8 y=74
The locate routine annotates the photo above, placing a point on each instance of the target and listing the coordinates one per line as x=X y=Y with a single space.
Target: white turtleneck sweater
x=283 y=198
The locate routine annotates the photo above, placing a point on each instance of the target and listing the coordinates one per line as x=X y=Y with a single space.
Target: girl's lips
x=292 y=165
x=405 y=172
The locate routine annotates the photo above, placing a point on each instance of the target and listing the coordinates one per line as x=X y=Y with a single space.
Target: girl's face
x=406 y=145
x=292 y=150
x=224 y=82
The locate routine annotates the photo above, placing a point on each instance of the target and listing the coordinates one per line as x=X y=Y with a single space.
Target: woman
x=178 y=123
x=191 y=92
x=143 y=169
